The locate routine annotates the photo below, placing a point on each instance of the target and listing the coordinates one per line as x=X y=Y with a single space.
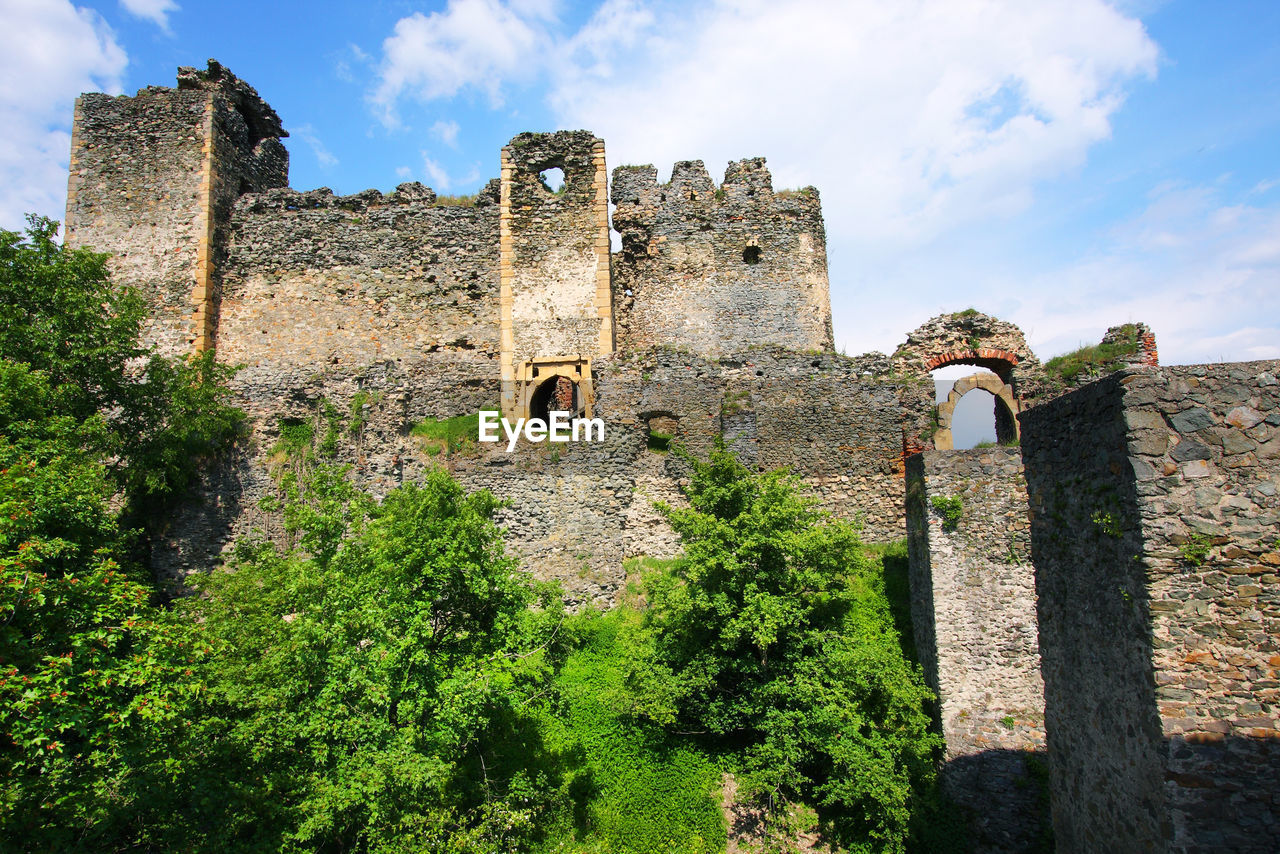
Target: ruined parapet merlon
x=719 y=270
x=261 y=120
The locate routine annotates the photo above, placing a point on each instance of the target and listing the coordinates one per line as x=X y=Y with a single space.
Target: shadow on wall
x=1006 y=796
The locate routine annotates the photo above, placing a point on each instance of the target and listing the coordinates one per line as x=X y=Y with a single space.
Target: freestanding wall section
x=1155 y=522
x=973 y=608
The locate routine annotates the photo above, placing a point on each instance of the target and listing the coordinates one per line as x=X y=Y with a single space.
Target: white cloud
x=910 y=117
x=478 y=44
x=436 y=174
x=1193 y=266
x=923 y=124
x=323 y=155
x=50 y=52
x=446 y=132
x=156 y=11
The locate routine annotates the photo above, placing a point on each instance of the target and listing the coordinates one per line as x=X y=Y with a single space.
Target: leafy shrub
x=951 y=508
x=775 y=640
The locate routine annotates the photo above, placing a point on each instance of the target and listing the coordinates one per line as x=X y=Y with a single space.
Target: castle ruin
x=1129 y=576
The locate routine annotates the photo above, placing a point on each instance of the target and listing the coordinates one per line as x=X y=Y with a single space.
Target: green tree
x=370 y=690
x=779 y=642
x=149 y=419
x=89 y=422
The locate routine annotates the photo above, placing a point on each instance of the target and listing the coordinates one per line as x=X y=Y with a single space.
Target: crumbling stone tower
x=555 y=303
x=153 y=179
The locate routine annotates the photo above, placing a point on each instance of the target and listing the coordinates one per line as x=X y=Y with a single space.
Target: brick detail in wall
x=967 y=356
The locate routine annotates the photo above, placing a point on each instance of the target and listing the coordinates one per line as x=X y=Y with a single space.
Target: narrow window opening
x=751 y=255
x=553 y=179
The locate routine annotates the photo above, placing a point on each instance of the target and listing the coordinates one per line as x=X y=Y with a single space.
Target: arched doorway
x=1006 y=409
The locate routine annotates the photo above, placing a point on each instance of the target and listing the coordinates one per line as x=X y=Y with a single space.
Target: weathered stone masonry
x=1155 y=529
x=973 y=611
x=721 y=326
x=153 y=179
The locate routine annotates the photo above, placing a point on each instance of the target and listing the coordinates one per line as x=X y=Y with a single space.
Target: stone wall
x=314 y=281
x=719 y=270
x=1155 y=521
x=973 y=610
x=576 y=511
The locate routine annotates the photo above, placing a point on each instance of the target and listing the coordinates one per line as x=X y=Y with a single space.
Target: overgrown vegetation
x=385 y=678
x=97 y=434
x=456 y=201
x=659 y=442
x=449 y=435
x=950 y=507
x=1094 y=360
x=1196 y=549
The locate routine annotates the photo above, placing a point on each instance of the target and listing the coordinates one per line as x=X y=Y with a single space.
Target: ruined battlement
x=719 y=269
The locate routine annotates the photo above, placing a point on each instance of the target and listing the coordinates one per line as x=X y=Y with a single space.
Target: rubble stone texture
x=974 y=615
x=719 y=270
x=1155 y=529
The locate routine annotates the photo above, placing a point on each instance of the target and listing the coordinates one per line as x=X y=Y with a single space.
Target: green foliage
x=1094 y=360
x=1196 y=549
x=635 y=788
x=1108 y=523
x=371 y=690
x=951 y=508
x=89 y=422
x=894 y=568
x=358 y=416
x=456 y=201
x=775 y=640
x=76 y=336
x=449 y=435
x=659 y=442
x=735 y=401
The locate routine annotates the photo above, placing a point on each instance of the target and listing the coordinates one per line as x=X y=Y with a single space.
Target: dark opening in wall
x=661 y=431
x=751 y=255
x=557 y=394
x=553 y=179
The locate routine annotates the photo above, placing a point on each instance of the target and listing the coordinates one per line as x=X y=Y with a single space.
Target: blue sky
x=1063 y=165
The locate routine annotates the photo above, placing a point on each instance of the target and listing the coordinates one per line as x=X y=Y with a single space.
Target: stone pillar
x=556 y=302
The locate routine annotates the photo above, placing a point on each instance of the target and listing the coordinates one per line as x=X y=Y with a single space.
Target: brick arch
x=1000 y=362
x=1006 y=407
x=967 y=338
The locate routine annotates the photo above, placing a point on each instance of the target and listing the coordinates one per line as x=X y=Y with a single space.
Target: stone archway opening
x=555 y=394
x=961 y=405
